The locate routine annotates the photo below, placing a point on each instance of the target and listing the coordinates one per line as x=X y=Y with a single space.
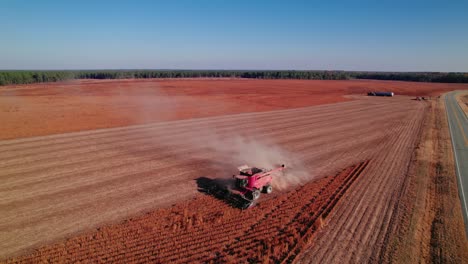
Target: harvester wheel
x=255 y=194
x=268 y=189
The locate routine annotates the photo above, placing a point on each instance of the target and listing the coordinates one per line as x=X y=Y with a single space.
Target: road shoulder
x=462 y=100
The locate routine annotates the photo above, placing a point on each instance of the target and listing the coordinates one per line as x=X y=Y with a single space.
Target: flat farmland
x=53 y=108
x=138 y=180
x=55 y=186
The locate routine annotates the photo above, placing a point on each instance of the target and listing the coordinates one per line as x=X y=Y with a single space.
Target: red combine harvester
x=248 y=185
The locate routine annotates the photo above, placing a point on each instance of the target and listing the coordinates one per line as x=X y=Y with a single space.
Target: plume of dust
x=230 y=149
x=236 y=150
x=149 y=102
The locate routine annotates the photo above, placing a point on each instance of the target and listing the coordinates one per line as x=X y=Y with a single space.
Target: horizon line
x=234 y=70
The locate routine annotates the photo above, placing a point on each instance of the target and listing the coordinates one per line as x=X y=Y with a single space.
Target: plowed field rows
x=55 y=186
x=274 y=231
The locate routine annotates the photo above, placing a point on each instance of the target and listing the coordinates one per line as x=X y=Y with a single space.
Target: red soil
x=57 y=186
x=274 y=231
x=51 y=108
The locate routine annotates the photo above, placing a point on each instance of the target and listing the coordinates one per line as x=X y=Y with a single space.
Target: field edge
x=431 y=217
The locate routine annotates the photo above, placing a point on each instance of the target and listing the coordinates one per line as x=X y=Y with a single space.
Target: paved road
x=458 y=123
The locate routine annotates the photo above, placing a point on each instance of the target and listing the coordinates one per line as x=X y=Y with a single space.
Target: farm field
x=347 y=155
x=269 y=231
x=52 y=108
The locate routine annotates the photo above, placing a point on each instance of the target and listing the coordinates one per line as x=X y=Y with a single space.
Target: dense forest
x=24 y=77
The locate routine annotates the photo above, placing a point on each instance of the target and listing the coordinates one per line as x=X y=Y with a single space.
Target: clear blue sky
x=316 y=35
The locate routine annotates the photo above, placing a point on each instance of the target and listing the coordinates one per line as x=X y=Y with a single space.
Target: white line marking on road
x=456 y=160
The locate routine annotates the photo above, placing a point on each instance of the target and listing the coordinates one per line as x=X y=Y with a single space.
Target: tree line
x=26 y=77
x=440 y=77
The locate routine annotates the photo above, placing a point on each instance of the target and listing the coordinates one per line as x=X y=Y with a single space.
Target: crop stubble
x=276 y=230
x=55 y=186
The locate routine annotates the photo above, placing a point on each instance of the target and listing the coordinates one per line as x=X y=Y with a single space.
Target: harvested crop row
x=369 y=208
x=56 y=186
x=277 y=229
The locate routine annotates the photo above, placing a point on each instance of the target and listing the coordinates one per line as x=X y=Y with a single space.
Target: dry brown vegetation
x=274 y=231
x=430 y=228
x=360 y=226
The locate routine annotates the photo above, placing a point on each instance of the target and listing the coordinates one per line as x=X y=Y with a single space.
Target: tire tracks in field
x=324 y=250
x=372 y=199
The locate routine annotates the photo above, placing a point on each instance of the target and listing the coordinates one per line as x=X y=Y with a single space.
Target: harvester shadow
x=219 y=189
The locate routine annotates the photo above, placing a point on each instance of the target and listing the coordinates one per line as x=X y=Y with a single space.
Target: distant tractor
x=390 y=94
x=249 y=184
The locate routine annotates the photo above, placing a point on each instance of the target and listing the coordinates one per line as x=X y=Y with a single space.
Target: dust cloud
x=149 y=103
x=262 y=153
x=228 y=149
